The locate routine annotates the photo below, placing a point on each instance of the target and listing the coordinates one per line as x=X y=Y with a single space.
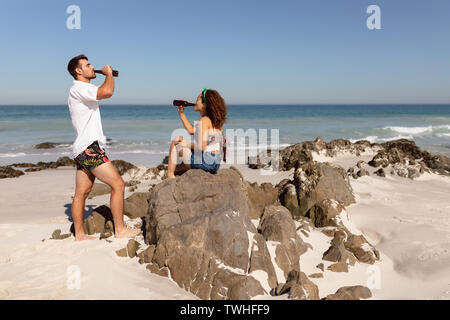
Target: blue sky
x=277 y=51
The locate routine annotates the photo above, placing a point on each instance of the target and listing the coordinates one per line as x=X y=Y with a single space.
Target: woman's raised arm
x=187 y=125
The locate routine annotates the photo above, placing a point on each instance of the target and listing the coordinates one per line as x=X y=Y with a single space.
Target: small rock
x=46 y=145
x=122 y=252
x=316 y=275
x=56 y=235
x=362 y=173
x=380 y=172
x=339 y=267
x=132 y=247
x=350 y=293
x=320 y=266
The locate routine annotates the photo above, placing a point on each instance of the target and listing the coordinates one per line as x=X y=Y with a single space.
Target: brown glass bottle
x=182 y=103
x=115 y=72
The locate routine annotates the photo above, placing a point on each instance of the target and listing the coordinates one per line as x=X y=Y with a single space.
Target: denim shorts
x=208 y=161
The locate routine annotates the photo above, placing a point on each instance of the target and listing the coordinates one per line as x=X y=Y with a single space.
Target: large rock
x=201 y=229
x=316 y=182
x=277 y=225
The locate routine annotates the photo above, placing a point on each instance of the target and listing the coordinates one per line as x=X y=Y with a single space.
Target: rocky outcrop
x=406 y=159
x=198 y=227
x=301 y=153
x=61 y=162
x=9 y=172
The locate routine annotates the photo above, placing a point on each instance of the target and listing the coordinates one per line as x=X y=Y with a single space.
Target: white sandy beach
x=407 y=220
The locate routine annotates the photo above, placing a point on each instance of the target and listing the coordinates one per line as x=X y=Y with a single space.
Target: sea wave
x=417 y=130
x=374 y=139
x=410 y=130
x=12 y=155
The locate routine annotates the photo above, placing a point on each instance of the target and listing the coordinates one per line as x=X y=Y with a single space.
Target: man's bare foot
x=172 y=176
x=82 y=237
x=127 y=233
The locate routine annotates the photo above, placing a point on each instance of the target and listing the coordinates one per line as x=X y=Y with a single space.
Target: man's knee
x=118 y=185
x=82 y=193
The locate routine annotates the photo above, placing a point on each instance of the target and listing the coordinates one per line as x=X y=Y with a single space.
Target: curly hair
x=216 y=108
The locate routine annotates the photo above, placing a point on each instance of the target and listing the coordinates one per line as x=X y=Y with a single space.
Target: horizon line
x=249 y=104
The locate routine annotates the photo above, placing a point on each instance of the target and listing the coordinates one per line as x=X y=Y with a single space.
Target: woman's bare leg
x=172 y=161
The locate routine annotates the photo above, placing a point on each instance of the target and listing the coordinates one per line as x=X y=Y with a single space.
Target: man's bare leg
x=108 y=174
x=83 y=185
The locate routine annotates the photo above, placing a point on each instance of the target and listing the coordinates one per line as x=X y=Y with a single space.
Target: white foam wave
x=373 y=139
x=443 y=135
x=12 y=155
x=410 y=130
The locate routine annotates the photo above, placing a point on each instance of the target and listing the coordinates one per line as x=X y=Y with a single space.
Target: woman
x=206 y=151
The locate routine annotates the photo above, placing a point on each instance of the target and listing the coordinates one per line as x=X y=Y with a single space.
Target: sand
x=407 y=220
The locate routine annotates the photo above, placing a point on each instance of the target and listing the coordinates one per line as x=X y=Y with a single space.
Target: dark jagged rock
x=9 y=172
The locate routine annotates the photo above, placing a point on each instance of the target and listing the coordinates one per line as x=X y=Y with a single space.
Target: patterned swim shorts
x=91 y=158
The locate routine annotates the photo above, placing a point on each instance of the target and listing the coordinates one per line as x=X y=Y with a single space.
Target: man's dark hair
x=75 y=63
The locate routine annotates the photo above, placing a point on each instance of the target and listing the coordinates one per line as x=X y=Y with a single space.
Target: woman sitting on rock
x=208 y=148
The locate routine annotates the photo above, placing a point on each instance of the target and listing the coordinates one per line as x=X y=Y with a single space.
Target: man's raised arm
x=106 y=90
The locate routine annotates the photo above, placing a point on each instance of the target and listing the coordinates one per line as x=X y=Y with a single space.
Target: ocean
x=141 y=134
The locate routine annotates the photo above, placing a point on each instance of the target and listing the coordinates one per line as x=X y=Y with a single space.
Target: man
x=89 y=146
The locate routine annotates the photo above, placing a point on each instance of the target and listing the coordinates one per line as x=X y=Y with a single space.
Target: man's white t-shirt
x=85 y=114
